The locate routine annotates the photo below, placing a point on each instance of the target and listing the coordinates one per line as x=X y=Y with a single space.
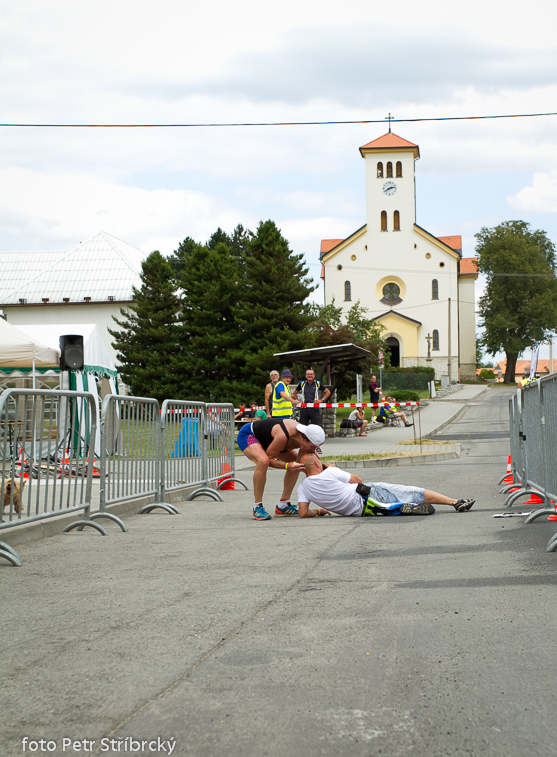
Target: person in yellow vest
x=283 y=402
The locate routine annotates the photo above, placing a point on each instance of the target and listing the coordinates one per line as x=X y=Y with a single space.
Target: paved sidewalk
x=429 y=420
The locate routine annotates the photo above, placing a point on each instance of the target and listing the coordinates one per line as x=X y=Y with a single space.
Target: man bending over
x=336 y=491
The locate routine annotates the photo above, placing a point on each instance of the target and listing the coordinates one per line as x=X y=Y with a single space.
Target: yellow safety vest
x=281 y=408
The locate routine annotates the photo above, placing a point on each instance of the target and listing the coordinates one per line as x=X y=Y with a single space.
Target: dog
x=13 y=488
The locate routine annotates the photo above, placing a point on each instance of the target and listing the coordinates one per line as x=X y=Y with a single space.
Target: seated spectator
x=242 y=413
x=388 y=409
x=261 y=415
x=356 y=420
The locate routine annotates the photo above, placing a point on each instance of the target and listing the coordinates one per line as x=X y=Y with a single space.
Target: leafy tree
x=519 y=305
x=327 y=328
x=269 y=309
x=148 y=343
x=210 y=286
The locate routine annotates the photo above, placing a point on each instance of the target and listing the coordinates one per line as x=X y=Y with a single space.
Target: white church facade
x=418 y=286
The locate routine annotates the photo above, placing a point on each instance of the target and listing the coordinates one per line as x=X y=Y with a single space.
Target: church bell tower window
x=380 y=170
x=383 y=220
x=398 y=170
x=389 y=170
x=396 y=221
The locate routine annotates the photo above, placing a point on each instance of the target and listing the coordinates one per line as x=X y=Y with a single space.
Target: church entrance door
x=394 y=347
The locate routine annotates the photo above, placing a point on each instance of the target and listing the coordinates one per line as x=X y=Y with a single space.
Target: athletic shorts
x=389 y=493
x=246 y=437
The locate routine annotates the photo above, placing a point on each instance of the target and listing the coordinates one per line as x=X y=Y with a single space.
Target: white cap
x=314 y=433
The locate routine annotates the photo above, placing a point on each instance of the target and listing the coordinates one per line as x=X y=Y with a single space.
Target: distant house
x=88 y=284
x=523 y=369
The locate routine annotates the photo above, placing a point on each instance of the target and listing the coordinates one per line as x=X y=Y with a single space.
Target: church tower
x=390 y=186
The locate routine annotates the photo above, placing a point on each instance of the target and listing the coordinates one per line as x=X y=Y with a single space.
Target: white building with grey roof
x=88 y=284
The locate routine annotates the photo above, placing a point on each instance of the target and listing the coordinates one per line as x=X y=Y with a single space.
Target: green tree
x=148 y=343
x=176 y=260
x=269 y=309
x=519 y=305
x=210 y=286
x=328 y=328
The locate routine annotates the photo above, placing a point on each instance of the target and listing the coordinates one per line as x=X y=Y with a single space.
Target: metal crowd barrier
x=187 y=440
x=533 y=432
x=220 y=456
x=48 y=441
x=131 y=452
x=47 y=452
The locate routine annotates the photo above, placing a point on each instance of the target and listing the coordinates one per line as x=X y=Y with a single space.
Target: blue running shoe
x=289 y=510
x=259 y=513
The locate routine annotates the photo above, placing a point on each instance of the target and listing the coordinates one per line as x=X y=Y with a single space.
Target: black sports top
x=262 y=431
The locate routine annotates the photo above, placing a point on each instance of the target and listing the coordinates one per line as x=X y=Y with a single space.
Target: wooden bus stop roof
x=324 y=357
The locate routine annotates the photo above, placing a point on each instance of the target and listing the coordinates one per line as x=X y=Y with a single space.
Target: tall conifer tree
x=210 y=287
x=148 y=342
x=270 y=309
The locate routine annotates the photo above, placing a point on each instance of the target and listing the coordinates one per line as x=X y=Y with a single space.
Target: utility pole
x=449 y=342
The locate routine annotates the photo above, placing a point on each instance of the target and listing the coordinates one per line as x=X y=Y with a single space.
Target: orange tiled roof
x=468 y=265
x=455 y=242
x=523 y=366
x=328 y=244
x=388 y=140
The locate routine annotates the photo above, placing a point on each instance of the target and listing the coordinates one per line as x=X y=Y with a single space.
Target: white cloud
x=59 y=211
x=540 y=197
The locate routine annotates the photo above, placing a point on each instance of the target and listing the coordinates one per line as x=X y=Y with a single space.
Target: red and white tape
x=357 y=404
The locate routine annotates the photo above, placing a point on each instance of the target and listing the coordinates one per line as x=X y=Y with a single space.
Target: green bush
x=487 y=373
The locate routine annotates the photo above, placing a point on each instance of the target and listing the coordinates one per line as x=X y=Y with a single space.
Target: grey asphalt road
x=219 y=635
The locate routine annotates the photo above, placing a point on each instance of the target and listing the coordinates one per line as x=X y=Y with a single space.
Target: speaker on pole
x=71 y=352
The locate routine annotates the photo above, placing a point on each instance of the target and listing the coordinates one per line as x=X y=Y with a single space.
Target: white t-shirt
x=331 y=489
x=354 y=416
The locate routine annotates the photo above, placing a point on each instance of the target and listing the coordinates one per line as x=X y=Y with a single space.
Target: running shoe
x=259 y=513
x=290 y=510
x=463 y=504
x=423 y=509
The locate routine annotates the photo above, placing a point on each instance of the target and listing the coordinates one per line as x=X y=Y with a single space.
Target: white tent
x=95 y=355
x=96 y=359
x=20 y=350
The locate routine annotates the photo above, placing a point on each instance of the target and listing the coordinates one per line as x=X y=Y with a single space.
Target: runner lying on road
x=336 y=491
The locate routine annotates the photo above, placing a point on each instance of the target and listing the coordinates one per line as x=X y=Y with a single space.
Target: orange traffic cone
x=509 y=478
x=534 y=500
x=554 y=516
x=224 y=469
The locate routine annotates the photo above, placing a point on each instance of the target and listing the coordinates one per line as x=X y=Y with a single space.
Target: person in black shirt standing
x=374 y=395
x=308 y=391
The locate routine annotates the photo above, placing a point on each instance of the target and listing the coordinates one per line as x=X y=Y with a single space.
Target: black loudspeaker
x=71 y=352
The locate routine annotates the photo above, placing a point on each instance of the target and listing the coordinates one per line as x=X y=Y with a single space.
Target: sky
x=124 y=62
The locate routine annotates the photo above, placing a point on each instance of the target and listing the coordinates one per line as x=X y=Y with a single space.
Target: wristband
x=285 y=466
x=318 y=511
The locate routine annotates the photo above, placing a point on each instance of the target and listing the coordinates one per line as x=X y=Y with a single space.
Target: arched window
x=389 y=170
x=383 y=220
x=434 y=290
x=347 y=292
x=398 y=169
x=435 y=339
x=396 y=221
x=380 y=170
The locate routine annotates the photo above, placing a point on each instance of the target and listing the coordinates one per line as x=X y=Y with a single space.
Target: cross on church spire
x=389 y=118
